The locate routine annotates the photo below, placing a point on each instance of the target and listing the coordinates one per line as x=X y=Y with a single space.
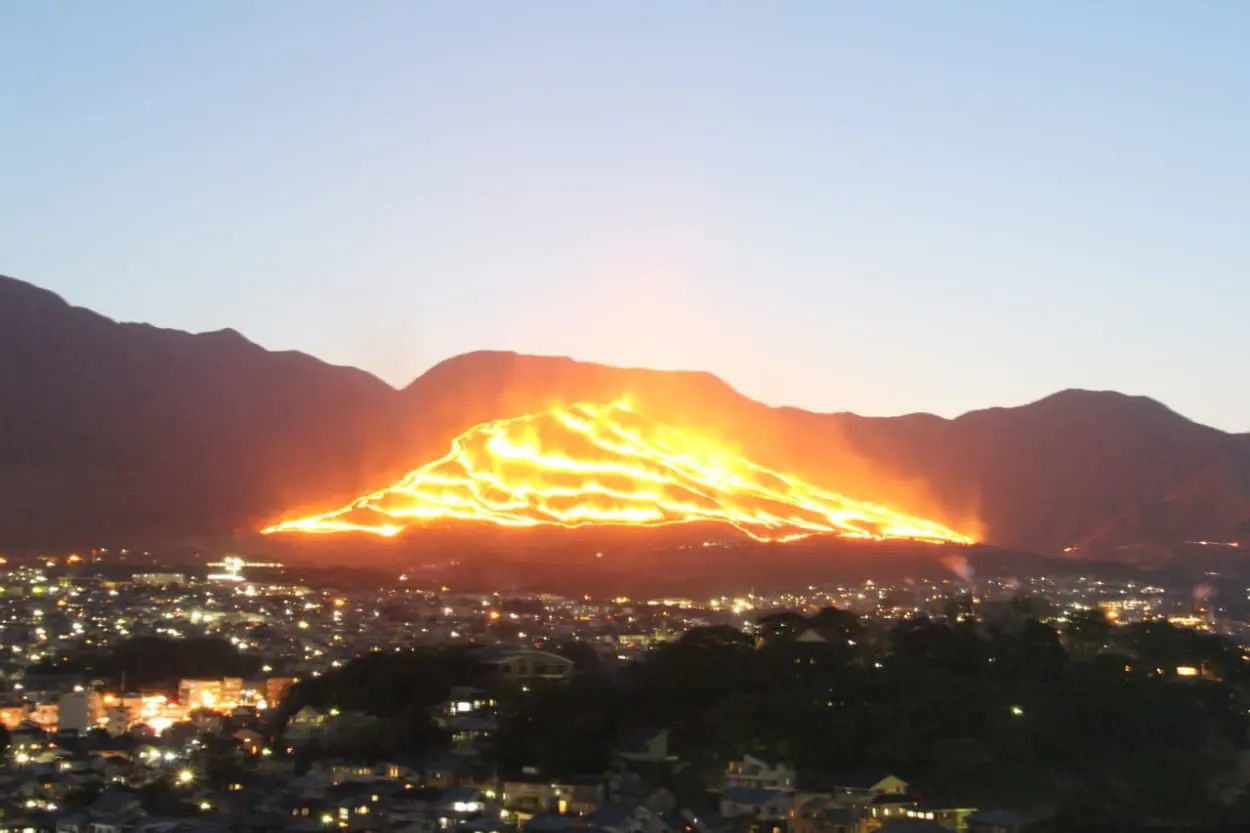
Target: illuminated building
x=79 y=710
x=222 y=694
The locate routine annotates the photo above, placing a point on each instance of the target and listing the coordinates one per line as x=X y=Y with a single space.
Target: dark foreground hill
x=124 y=432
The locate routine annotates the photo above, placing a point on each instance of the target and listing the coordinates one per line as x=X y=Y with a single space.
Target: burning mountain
x=113 y=434
x=593 y=464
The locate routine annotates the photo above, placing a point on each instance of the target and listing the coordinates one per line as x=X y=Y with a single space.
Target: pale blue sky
x=879 y=207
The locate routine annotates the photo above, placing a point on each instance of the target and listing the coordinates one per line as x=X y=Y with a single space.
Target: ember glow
x=594 y=464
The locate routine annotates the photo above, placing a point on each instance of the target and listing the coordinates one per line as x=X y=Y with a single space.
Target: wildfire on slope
x=596 y=464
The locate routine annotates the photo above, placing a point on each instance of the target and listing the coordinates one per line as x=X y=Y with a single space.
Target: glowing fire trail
x=591 y=464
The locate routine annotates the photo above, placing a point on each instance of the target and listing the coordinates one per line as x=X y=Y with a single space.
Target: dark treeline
x=1086 y=725
x=153 y=662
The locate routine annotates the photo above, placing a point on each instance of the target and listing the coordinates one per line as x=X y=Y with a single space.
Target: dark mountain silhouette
x=121 y=432
x=124 y=431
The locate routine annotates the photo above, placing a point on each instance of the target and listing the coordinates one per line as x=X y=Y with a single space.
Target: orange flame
x=593 y=464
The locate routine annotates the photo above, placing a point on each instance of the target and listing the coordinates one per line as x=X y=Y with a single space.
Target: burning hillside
x=608 y=465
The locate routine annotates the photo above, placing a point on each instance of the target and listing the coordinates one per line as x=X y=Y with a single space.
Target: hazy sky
x=879 y=207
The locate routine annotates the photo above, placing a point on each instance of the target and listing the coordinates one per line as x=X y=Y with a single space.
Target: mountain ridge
x=15 y=286
x=111 y=429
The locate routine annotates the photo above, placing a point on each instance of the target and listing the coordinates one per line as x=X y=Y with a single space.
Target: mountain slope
x=1075 y=468
x=119 y=432
x=114 y=430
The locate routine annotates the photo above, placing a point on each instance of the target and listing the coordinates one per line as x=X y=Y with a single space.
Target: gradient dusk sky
x=879 y=207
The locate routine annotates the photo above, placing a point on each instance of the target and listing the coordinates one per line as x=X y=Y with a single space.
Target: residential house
x=78 y=821
x=626 y=817
x=761 y=810
x=579 y=796
x=889 y=806
x=912 y=826
x=472 y=733
x=756 y=773
x=304 y=725
x=862 y=787
x=951 y=818
x=528 y=795
x=648 y=746
x=822 y=814
x=462 y=700
x=526 y=665
x=113 y=811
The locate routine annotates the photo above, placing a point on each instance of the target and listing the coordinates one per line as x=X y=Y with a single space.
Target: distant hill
x=112 y=432
x=124 y=431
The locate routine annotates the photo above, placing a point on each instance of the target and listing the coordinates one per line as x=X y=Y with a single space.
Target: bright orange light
x=592 y=464
x=159 y=724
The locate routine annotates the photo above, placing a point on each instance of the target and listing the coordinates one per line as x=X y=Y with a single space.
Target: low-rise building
x=752 y=772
